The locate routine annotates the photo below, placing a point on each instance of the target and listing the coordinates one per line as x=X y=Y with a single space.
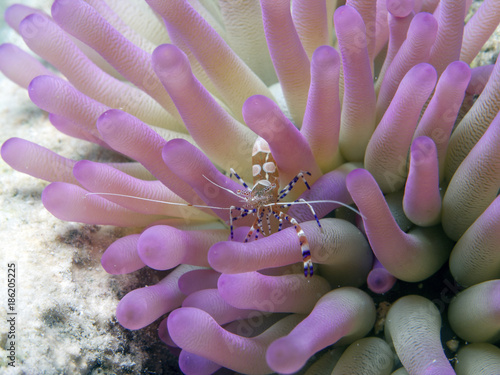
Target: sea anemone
x=374 y=102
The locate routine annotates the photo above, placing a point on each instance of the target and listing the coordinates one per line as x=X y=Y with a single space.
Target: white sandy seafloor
x=65 y=301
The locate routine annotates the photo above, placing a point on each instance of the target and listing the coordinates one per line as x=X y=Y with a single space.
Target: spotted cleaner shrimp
x=264 y=200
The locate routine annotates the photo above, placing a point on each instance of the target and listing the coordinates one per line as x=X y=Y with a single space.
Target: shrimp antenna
x=158 y=201
x=322 y=201
x=221 y=187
